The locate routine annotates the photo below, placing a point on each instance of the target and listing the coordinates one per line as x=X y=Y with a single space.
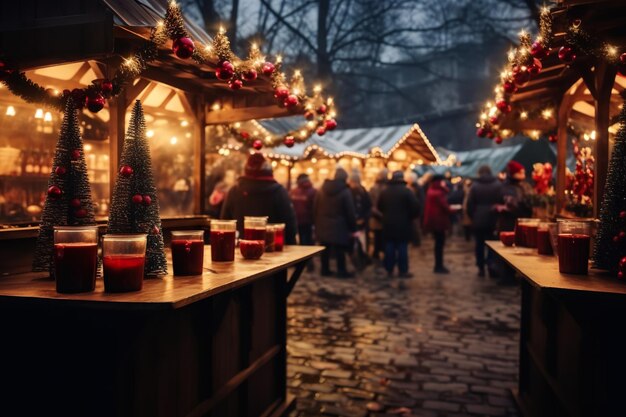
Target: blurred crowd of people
x=378 y=226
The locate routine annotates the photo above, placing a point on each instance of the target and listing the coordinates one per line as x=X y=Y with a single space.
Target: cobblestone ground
x=430 y=346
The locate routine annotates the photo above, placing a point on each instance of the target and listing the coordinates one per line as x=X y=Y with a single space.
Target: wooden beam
x=167 y=99
x=199 y=169
x=98 y=68
x=133 y=91
x=81 y=72
x=604 y=81
x=246 y=113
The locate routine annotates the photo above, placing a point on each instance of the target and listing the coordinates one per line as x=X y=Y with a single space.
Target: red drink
x=507 y=238
x=250 y=233
x=270 y=235
x=251 y=249
x=544 y=247
x=123 y=273
x=75 y=266
x=520 y=235
x=187 y=256
x=573 y=253
x=222 y=245
x=531 y=235
x=279 y=239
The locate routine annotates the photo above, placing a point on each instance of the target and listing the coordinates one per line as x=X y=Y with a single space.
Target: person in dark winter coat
x=375 y=223
x=335 y=222
x=516 y=193
x=413 y=185
x=258 y=194
x=399 y=206
x=303 y=198
x=437 y=218
x=484 y=196
x=363 y=210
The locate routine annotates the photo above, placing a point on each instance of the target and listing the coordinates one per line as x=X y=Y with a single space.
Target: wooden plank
x=543 y=272
x=165 y=293
x=246 y=113
x=117 y=130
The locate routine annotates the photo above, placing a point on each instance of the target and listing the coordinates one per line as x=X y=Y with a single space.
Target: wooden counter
x=572 y=343
x=210 y=345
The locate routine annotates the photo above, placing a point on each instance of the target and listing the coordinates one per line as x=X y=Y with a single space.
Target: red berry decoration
x=126 y=171
x=226 y=65
x=509 y=87
x=245 y=135
x=183 y=47
x=250 y=75
x=107 y=88
x=95 y=103
x=622 y=214
x=522 y=76
x=567 y=54
x=223 y=74
x=309 y=115
x=75 y=155
x=537 y=50
x=137 y=199
x=80 y=213
x=257 y=144
x=498 y=140
x=494 y=120
x=75 y=202
x=481 y=132
x=331 y=124
x=553 y=138
x=147 y=200
x=79 y=97
x=622 y=262
x=622 y=235
x=60 y=171
x=501 y=104
x=490 y=134
x=535 y=67
x=291 y=101
x=615 y=239
x=268 y=68
x=322 y=109
x=281 y=92
x=235 y=84
x=54 y=192
x=321 y=131
x=289 y=141
x=155 y=230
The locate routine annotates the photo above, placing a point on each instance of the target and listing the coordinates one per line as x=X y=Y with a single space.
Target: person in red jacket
x=437 y=218
x=303 y=197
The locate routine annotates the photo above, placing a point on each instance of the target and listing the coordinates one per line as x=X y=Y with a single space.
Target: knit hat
x=258 y=167
x=514 y=167
x=341 y=174
x=397 y=176
x=302 y=178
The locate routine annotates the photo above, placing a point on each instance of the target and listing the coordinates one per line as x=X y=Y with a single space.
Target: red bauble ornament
x=494 y=120
x=95 y=103
x=75 y=202
x=235 y=84
x=509 y=87
x=281 y=92
x=147 y=200
x=268 y=68
x=60 y=171
x=155 y=230
x=620 y=275
x=622 y=262
x=567 y=54
x=331 y=124
x=322 y=109
x=75 y=155
x=245 y=135
x=615 y=239
x=622 y=214
x=537 y=50
x=137 y=199
x=309 y=115
x=490 y=134
x=553 y=138
x=107 y=88
x=522 y=76
x=498 y=140
x=291 y=101
x=223 y=74
x=501 y=104
x=80 y=213
x=289 y=141
x=79 y=97
x=250 y=75
x=183 y=47
x=321 y=131
x=481 y=132
x=226 y=65
x=54 y=192
x=126 y=171
x=257 y=144
x=622 y=235
x=622 y=58
x=535 y=67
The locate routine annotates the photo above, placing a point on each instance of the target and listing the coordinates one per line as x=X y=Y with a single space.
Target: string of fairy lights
x=291 y=94
x=525 y=62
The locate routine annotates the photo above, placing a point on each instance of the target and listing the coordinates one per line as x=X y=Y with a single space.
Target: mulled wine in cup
x=254 y=228
x=279 y=236
x=223 y=240
x=574 y=239
x=251 y=249
x=75 y=258
x=187 y=252
x=124 y=257
x=544 y=244
x=507 y=238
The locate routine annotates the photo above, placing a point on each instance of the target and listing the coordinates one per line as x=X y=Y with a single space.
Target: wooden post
x=604 y=79
x=117 y=130
x=199 y=166
x=289 y=175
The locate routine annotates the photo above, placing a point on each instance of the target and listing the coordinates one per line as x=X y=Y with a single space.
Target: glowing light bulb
x=47 y=117
x=150 y=133
x=10 y=111
x=173 y=140
x=39 y=114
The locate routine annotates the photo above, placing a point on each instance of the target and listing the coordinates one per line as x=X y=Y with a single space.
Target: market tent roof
x=363 y=143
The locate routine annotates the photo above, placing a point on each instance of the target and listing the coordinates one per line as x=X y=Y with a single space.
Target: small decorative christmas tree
x=68 y=202
x=610 y=246
x=134 y=206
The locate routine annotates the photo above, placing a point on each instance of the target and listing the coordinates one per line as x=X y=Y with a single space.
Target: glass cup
x=187 y=252
x=279 y=236
x=507 y=238
x=124 y=257
x=574 y=239
x=270 y=238
x=223 y=240
x=75 y=258
x=251 y=249
x=526 y=232
x=254 y=228
x=544 y=243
